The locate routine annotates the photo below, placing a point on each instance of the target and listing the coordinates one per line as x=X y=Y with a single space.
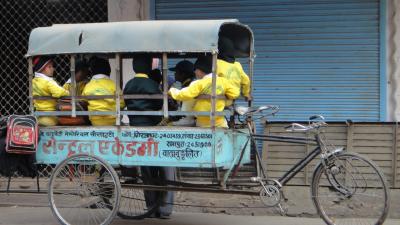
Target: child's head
x=156 y=76
x=183 y=71
x=142 y=63
x=81 y=70
x=99 y=66
x=44 y=65
x=226 y=48
x=203 y=66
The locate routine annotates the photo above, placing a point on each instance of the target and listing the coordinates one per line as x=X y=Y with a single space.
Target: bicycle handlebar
x=315 y=121
x=242 y=110
x=299 y=127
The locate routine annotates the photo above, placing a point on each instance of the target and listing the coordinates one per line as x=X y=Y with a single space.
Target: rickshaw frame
x=159 y=39
x=39 y=39
x=203 y=38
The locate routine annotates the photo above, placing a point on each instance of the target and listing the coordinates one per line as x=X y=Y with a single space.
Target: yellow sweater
x=43 y=85
x=101 y=85
x=203 y=87
x=79 y=87
x=234 y=72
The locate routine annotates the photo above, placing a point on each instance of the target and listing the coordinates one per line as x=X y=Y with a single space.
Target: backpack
x=22 y=134
x=18 y=142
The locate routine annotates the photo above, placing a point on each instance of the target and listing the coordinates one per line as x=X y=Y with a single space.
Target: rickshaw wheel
x=133 y=204
x=80 y=194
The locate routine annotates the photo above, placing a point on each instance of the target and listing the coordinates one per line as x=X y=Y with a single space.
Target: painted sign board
x=145 y=146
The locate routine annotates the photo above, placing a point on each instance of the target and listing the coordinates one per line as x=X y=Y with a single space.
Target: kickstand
x=37 y=181
x=8 y=183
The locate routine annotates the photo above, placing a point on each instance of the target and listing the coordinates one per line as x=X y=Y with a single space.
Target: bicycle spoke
x=348 y=197
x=84 y=196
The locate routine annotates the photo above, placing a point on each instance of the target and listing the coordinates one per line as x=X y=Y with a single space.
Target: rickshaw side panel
x=144 y=146
x=228 y=146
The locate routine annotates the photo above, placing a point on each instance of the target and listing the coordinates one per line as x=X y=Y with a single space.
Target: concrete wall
x=126 y=10
x=393 y=60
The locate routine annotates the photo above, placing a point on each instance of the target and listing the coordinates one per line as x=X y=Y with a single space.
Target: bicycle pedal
x=284 y=197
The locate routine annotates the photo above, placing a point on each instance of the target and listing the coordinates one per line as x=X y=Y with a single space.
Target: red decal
x=142 y=149
x=117 y=148
x=47 y=145
x=155 y=148
x=72 y=147
x=130 y=150
x=22 y=135
x=60 y=146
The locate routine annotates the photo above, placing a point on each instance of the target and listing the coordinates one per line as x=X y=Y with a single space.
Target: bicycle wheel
x=133 y=204
x=79 y=194
x=350 y=189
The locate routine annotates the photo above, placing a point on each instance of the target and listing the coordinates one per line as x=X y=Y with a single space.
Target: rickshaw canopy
x=157 y=36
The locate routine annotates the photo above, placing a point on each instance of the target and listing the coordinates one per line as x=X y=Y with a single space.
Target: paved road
x=28 y=209
x=42 y=216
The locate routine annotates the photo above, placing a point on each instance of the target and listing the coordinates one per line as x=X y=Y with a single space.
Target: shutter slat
x=313 y=56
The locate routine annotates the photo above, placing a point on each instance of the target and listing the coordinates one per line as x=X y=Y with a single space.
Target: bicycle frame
x=295 y=169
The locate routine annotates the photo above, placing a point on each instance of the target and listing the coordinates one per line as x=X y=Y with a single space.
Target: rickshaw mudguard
x=145 y=146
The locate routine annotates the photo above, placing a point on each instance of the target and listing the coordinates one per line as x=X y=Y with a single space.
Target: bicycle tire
x=350 y=170
x=83 y=194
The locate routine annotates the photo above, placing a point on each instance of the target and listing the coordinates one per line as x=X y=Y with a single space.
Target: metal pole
x=165 y=84
x=213 y=105
x=213 y=89
x=251 y=71
x=117 y=88
x=73 y=87
x=30 y=72
x=394 y=155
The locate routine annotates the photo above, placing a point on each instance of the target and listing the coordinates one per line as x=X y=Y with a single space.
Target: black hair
x=81 y=65
x=142 y=64
x=156 y=76
x=99 y=66
x=204 y=63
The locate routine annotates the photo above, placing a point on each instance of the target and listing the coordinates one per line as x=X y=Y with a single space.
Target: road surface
x=16 y=215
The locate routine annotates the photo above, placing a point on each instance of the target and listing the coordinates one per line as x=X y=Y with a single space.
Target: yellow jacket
x=234 y=72
x=203 y=87
x=43 y=85
x=101 y=85
x=79 y=87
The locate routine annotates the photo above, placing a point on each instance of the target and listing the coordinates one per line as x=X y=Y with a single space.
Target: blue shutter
x=313 y=56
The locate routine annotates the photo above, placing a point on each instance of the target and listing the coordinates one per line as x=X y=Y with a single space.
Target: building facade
x=338 y=58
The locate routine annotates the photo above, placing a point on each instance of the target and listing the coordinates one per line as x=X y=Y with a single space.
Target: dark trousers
x=153 y=175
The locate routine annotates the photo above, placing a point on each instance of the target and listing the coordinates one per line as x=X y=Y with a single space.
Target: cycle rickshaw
x=87 y=183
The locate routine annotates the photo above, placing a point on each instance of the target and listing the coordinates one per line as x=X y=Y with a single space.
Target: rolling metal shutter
x=313 y=56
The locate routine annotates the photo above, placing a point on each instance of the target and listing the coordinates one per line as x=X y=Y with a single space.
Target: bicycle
x=343 y=183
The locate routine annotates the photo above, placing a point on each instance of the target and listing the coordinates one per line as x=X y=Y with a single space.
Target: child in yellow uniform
x=43 y=84
x=81 y=78
x=184 y=73
x=203 y=86
x=101 y=84
x=228 y=68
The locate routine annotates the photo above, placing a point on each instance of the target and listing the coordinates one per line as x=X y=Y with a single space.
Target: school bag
x=22 y=134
